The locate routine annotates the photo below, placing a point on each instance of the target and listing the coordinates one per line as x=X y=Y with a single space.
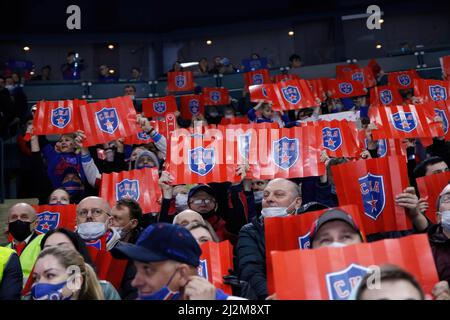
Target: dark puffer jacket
x=440 y=246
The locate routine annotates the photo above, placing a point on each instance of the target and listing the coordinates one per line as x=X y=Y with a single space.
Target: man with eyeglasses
x=94 y=222
x=22 y=223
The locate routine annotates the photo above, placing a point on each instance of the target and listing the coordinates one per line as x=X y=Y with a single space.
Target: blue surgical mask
x=162 y=294
x=47 y=291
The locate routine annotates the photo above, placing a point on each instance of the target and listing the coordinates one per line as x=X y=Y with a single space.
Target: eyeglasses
x=95 y=212
x=200 y=201
x=445 y=198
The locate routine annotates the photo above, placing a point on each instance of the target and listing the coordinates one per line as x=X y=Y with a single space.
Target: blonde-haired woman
x=60 y=273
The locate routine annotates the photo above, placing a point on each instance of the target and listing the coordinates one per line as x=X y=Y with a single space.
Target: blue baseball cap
x=161 y=242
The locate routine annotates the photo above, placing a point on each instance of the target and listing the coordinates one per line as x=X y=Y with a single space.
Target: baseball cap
x=201 y=187
x=332 y=215
x=311 y=206
x=161 y=242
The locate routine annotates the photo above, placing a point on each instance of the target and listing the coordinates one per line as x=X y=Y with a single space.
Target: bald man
x=281 y=198
x=22 y=223
x=186 y=217
x=94 y=222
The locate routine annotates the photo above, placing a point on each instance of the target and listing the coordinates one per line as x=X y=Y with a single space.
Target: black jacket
x=251 y=257
x=440 y=246
x=11 y=284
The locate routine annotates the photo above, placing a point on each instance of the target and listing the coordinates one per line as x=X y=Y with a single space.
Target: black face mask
x=19 y=229
x=209 y=214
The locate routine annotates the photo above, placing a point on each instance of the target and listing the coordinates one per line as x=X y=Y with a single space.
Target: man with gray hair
x=186 y=217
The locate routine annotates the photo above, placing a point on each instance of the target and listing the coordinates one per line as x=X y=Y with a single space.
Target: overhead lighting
x=188 y=64
x=291 y=33
x=32 y=73
x=112 y=71
x=110 y=46
x=208 y=42
x=378 y=46
x=26 y=48
x=381 y=20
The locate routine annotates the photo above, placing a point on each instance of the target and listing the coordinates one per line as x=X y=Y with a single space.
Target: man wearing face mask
x=281 y=198
x=173 y=255
x=22 y=223
x=93 y=223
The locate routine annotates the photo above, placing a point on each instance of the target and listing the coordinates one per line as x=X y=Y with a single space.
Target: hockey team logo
x=443 y=115
x=215 y=96
x=341 y=284
x=358 y=76
x=345 y=88
x=404 y=121
x=143 y=135
x=128 y=189
x=285 y=152
x=258 y=79
x=386 y=96
x=291 y=94
x=304 y=242
x=194 y=106
x=107 y=120
x=180 y=81
x=404 y=80
x=203 y=269
x=47 y=221
x=438 y=93
x=373 y=195
x=159 y=106
x=201 y=160
x=61 y=117
x=332 y=138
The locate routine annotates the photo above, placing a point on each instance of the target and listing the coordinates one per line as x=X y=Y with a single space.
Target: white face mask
x=258 y=195
x=336 y=245
x=91 y=230
x=213 y=114
x=274 y=212
x=132 y=97
x=181 y=202
x=229 y=116
x=445 y=220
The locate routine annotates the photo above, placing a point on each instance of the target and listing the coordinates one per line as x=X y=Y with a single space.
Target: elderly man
x=281 y=198
x=94 y=222
x=22 y=223
x=186 y=217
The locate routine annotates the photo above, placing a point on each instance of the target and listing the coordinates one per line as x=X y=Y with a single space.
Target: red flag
x=385 y=147
x=52 y=217
x=108 y=120
x=431 y=186
x=375 y=67
x=200 y=159
x=292 y=95
x=445 y=65
x=345 y=88
x=385 y=95
x=158 y=107
x=215 y=261
x=140 y=185
x=341 y=68
x=318 y=90
x=264 y=92
x=288 y=153
x=407 y=121
x=256 y=77
x=333 y=273
x=57 y=117
x=373 y=184
x=292 y=232
x=284 y=77
x=363 y=75
x=215 y=96
x=432 y=90
x=403 y=79
x=191 y=105
x=180 y=81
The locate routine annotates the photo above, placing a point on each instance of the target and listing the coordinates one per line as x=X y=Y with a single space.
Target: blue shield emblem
x=264 y=92
x=159 y=106
x=404 y=121
x=194 y=106
x=304 y=241
x=107 y=120
x=381 y=147
x=386 y=96
x=127 y=189
x=214 y=96
x=258 y=79
x=438 y=93
x=47 y=221
x=372 y=193
x=143 y=136
x=441 y=113
x=404 y=80
x=203 y=269
x=285 y=152
x=201 y=160
x=180 y=81
x=358 y=76
x=345 y=88
x=61 y=117
x=341 y=284
x=332 y=138
x=244 y=145
x=291 y=94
